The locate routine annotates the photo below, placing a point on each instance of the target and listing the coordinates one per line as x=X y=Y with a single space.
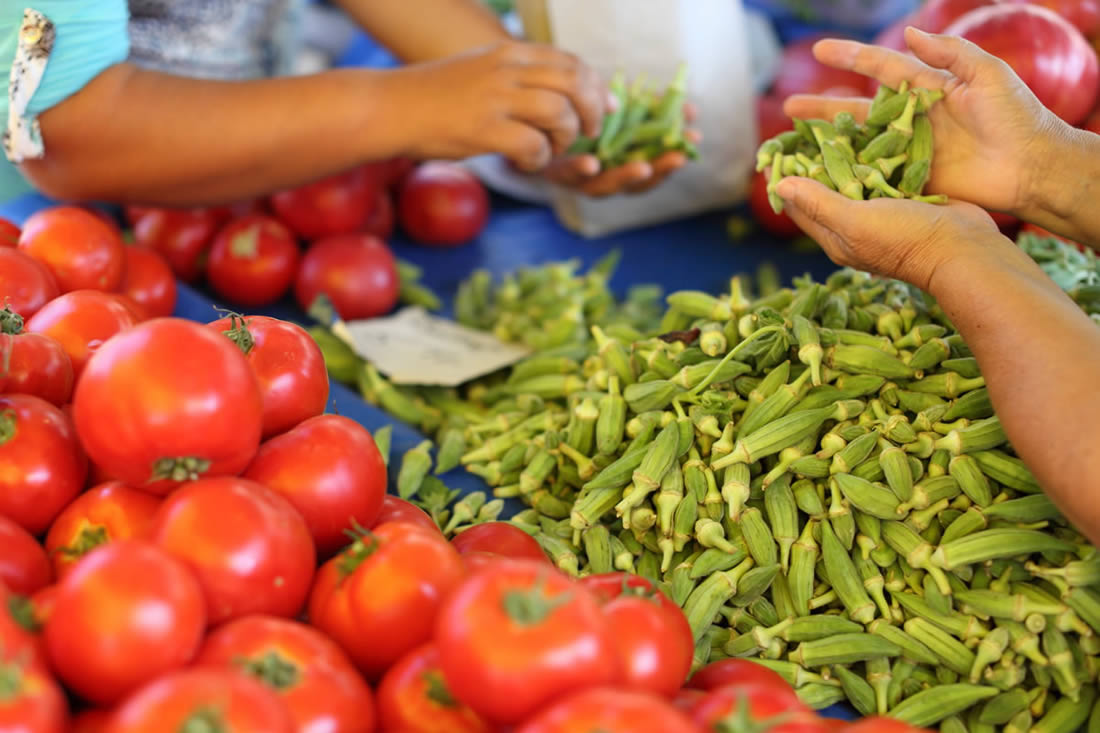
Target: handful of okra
x=643 y=127
x=890 y=155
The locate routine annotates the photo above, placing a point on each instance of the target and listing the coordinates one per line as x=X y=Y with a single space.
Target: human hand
x=524 y=101
x=992 y=135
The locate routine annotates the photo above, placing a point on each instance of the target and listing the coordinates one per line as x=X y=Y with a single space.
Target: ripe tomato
x=329 y=468
x=167 y=401
x=25 y=283
x=33 y=363
x=24 y=567
x=225 y=214
x=519 y=635
x=317 y=682
x=654 y=642
x=181 y=236
x=397 y=170
x=413 y=698
x=91 y=721
x=357 y=272
x=126 y=613
x=44 y=466
x=780 y=225
x=253 y=260
x=249 y=548
x=149 y=282
x=31 y=701
x=609 y=710
x=442 y=204
x=339 y=204
x=288 y=365
x=1040 y=232
x=9 y=233
x=1007 y=223
x=499 y=538
x=381 y=221
x=880 y=724
x=19 y=628
x=686 y=698
x=758 y=701
x=206 y=699
x=396 y=509
x=735 y=672
x=379 y=597
x=106 y=513
x=75 y=245
x=42 y=605
x=477 y=561
x=82 y=321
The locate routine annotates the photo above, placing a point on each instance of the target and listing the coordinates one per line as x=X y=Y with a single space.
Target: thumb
x=961 y=57
x=816 y=202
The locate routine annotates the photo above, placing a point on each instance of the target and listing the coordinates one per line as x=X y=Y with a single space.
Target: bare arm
x=1066 y=190
x=427 y=29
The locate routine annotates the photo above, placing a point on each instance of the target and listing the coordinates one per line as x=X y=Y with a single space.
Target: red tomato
x=519 y=635
x=609 y=711
x=417 y=568
x=770 y=119
x=225 y=214
x=1084 y=15
x=475 y=562
x=249 y=548
x=149 y=282
x=654 y=642
x=19 y=628
x=1040 y=232
x=207 y=699
x=317 y=682
x=1049 y=54
x=253 y=260
x=413 y=698
x=780 y=225
x=801 y=73
x=33 y=363
x=609 y=586
x=763 y=701
x=31 y=701
x=880 y=724
x=381 y=221
x=9 y=233
x=932 y=16
x=395 y=509
x=25 y=283
x=181 y=236
x=167 y=401
x=735 y=672
x=106 y=513
x=91 y=721
x=687 y=698
x=442 y=204
x=499 y=538
x=24 y=567
x=42 y=605
x=329 y=468
x=1007 y=223
x=1092 y=124
x=75 y=245
x=339 y=204
x=397 y=170
x=356 y=272
x=82 y=321
x=288 y=366
x=43 y=464
x=126 y=613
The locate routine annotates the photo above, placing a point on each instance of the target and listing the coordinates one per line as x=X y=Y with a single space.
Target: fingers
x=578 y=83
x=812 y=106
x=957 y=55
x=549 y=112
x=881 y=64
x=526 y=147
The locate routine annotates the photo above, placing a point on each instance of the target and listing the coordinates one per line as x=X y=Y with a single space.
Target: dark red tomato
x=1084 y=15
x=396 y=509
x=315 y=679
x=126 y=613
x=33 y=363
x=686 y=699
x=381 y=221
x=500 y=538
x=780 y=225
x=75 y=245
x=880 y=724
x=42 y=604
x=149 y=281
x=91 y=721
x=442 y=204
x=932 y=17
x=801 y=73
x=288 y=365
x=397 y=170
x=24 y=567
x=44 y=466
x=1092 y=124
x=329 y=468
x=167 y=401
x=1007 y=223
x=609 y=710
x=609 y=586
x=253 y=261
x=770 y=119
x=1040 y=232
x=206 y=699
x=225 y=214
x=417 y=568
x=248 y=547
x=9 y=233
x=339 y=204
x=758 y=702
x=475 y=562
x=735 y=672
x=654 y=642
x=105 y=513
x=357 y=273
x=82 y=321
x=181 y=236
x=413 y=698
x=31 y=702
x=20 y=625
x=519 y=635
x=25 y=283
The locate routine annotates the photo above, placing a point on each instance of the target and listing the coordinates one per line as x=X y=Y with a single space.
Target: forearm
x=1067 y=186
x=1040 y=356
x=139 y=136
x=427 y=29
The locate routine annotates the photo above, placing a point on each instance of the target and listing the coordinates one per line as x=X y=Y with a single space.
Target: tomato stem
x=246 y=244
x=187 y=468
x=533 y=606
x=10 y=322
x=238 y=331
x=8 y=425
x=204 y=720
x=90 y=537
x=21 y=610
x=437 y=690
x=363 y=544
x=272 y=669
x=11 y=681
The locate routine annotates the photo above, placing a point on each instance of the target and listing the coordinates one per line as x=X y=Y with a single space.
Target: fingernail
x=918 y=31
x=612 y=102
x=786 y=189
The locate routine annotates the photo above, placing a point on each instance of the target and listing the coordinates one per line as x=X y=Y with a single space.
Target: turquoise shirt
x=91 y=36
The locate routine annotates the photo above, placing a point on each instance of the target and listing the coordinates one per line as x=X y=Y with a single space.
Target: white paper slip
x=415 y=347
